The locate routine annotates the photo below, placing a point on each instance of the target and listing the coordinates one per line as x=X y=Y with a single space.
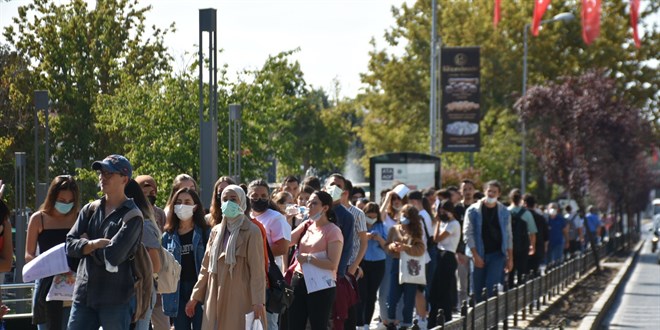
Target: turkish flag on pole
x=496 y=15
x=590 y=20
x=634 y=15
x=540 y=7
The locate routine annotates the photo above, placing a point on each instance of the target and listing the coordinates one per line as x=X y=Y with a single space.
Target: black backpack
x=542 y=235
x=520 y=233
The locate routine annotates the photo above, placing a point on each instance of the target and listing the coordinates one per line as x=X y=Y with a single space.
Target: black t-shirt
x=188 y=272
x=459 y=210
x=490 y=229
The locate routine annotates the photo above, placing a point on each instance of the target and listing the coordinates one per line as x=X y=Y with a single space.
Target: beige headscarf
x=232 y=225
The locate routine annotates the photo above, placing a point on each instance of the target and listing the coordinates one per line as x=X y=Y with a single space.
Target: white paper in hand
x=49 y=263
x=251 y=323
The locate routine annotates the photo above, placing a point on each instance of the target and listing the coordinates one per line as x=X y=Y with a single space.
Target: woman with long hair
x=150 y=240
x=373 y=265
x=321 y=242
x=447 y=235
x=180 y=181
x=389 y=215
x=406 y=236
x=185 y=235
x=231 y=281
x=48 y=227
x=215 y=215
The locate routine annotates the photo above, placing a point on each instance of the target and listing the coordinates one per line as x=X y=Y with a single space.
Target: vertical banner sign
x=460 y=108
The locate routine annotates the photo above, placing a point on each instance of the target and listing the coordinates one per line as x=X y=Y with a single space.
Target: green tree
x=397 y=94
x=157 y=125
x=286 y=121
x=78 y=53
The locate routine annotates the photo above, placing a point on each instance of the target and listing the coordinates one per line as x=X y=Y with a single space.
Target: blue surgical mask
x=63 y=208
x=316 y=216
x=231 y=209
x=404 y=221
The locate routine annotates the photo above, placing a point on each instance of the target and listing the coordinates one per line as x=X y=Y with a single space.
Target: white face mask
x=335 y=192
x=491 y=200
x=371 y=221
x=184 y=212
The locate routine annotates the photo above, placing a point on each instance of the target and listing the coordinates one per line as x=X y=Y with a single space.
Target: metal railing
x=514 y=305
x=18 y=297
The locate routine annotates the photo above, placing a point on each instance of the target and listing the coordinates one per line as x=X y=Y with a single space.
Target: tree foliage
x=590 y=140
x=286 y=120
x=396 y=97
x=78 y=53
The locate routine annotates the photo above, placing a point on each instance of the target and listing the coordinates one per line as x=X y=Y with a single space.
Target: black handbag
x=280 y=294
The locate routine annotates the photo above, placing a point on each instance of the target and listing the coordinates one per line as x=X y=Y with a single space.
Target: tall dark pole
x=434 y=76
x=208 y=154
x=523 y=154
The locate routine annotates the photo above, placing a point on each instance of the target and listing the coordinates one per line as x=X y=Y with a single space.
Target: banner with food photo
x=460 y=106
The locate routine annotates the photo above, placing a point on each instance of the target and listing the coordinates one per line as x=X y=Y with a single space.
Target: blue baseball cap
x=114 y=164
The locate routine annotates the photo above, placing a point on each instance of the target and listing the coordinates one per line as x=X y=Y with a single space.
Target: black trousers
x=441 y=295
x=368 y=285
x=520 y=268
x=314 y=306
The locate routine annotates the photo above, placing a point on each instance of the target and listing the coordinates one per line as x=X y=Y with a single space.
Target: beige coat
x=227 y=299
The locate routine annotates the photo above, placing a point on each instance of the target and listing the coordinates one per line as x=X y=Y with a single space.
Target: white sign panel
x=416 y=176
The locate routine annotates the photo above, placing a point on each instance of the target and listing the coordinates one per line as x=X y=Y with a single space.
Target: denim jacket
x=473 y=225
x=172 y=243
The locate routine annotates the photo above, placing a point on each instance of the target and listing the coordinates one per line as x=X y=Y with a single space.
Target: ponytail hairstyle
x=415 y=225
x=326 y=200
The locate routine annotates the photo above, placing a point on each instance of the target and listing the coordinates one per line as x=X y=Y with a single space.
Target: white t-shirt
x=428 y=228
x=276 y=229
x=450 y=243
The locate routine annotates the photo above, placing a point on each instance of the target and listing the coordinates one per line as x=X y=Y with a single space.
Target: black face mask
x=152 y=199
x=443 y=217
x=259 y=205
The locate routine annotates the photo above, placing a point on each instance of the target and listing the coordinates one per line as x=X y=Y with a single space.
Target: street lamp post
x=565 y=17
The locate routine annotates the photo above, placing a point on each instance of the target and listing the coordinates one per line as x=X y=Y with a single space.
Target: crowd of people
x=418 y=254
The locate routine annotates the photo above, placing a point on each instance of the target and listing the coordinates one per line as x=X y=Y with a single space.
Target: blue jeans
x=109 y=317
x=143 y=323
x=488 y=276
x=272 y=320
x=182 y=321
x=384 y=293
x=66 y=311
x=555 y=254
x=430 y=272
x=409 y=291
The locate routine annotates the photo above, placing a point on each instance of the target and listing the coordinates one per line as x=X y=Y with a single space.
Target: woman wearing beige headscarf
x=232 y=281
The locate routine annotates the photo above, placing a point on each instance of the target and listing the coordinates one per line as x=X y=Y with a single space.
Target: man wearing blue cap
x=104 y=238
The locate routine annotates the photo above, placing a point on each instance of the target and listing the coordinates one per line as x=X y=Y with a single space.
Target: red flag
x=634 y=15
x=496 y=16
x=540 y=7
x=590 y=20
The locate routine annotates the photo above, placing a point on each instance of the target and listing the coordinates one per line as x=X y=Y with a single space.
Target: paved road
x=638 y=305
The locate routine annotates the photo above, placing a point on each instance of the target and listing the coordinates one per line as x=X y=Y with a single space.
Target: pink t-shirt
x=316 y=239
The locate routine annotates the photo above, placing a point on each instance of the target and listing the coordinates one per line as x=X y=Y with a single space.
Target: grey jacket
x=104 y=277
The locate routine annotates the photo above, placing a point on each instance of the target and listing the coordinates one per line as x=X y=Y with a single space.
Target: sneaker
x=391 y=326
x=422 y=324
